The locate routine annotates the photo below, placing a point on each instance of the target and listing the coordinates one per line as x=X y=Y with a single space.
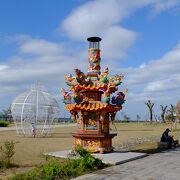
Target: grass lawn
x=29 y=150
x=149 y=133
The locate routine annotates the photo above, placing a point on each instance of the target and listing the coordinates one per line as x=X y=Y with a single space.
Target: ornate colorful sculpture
x=90 y=103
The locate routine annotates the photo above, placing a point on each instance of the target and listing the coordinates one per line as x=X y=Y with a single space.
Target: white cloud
x=95 y=17
x=3 y=67
x=103 y=17
x=168 y=83
x=165 y=68
x=92 y=18
x=39 y=60
x=163 y=5
x=37 y=46
x=158 y=80
x=142 y=66
x=116 y=41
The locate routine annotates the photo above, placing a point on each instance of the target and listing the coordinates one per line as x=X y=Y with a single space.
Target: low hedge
x=70 y=168
x=4 y=123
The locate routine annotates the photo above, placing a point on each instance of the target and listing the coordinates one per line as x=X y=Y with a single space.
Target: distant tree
x=138 y=117
x=126 y=118
x=50 y=112
x=150 y=105
x=156 y=117
x=171 y=111
x=6 y=114
x=163 y=109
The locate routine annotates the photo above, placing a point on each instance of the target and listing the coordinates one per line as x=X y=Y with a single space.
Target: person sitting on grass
x=169 y=139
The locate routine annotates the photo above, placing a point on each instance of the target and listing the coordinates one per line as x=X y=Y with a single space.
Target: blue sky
x=42 y=40
x=35 y=18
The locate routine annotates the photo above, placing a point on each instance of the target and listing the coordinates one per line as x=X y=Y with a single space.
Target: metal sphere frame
x=34 y=112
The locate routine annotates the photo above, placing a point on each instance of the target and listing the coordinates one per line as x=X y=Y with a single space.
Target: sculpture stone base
x=95 y=143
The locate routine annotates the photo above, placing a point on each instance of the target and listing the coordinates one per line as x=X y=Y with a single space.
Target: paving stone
x=160 y=166
x=109 y=158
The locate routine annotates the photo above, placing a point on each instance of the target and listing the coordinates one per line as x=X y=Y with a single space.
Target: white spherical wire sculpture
x=34 y=112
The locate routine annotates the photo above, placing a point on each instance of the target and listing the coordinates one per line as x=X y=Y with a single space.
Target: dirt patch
x=7 y=173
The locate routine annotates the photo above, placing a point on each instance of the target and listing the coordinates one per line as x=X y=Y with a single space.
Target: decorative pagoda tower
x=91 y=104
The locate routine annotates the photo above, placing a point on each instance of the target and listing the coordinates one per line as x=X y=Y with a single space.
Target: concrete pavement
x=109 y=158
x=160 y=166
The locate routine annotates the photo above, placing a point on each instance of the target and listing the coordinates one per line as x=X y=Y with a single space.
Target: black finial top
x=94 y=42
x=94 y=39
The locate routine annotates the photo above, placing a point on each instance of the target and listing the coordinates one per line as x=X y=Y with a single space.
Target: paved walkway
x=13 y=128
x=109 y=158
x=160 y=166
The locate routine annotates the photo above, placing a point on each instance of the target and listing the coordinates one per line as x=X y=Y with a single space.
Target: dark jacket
x=165 y=137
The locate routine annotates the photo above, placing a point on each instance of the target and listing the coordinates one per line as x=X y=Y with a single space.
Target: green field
x=130 y=136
